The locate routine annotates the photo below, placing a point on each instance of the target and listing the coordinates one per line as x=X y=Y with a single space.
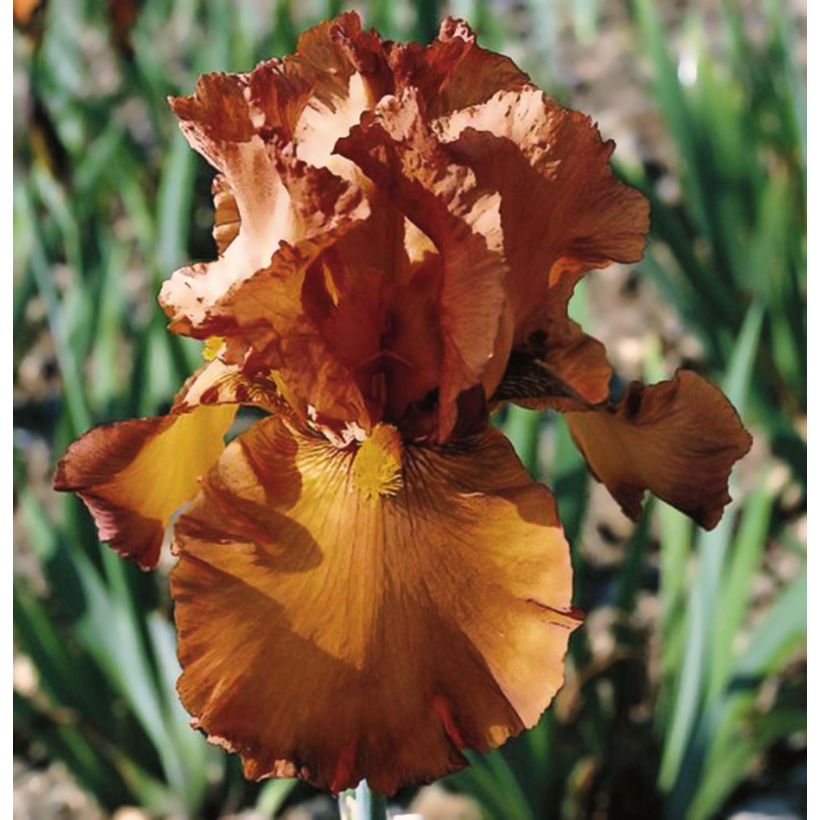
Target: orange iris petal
x=337 y=634
x=454 y=72
x=269 y=195
x=379 y=308
x=268 y=311
x=134 y=475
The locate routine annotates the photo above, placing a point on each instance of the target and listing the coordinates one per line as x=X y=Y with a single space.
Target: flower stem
x=362 y=804
x=372 y=806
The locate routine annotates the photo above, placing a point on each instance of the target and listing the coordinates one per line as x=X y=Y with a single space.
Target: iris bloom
x=368 y=580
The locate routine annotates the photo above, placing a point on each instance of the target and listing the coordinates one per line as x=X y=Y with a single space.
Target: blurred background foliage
x=686 y=689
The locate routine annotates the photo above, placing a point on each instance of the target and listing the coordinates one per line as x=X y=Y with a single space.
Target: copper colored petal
x=559 y=371
x=134 y=475
x=396 y=149
x=335 y=634
x=454 y=72
x=271 y=196
x=562 y=210
x=678 y=439
x=377 y=305
x=267 y=311
x=347 y=70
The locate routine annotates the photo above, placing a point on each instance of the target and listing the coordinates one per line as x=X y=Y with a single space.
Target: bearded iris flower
x=368 y=581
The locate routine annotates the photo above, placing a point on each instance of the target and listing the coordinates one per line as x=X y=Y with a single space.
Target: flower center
x=377 y=466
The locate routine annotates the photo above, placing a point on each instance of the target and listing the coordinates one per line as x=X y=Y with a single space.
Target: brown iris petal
x=243 y=125
x=414 y=335
x=396 y=149
x=567 y=371
x=268 y=311
x=562 y=210
x=294 y=205
x=454 y=72
x=379 y=310
x=679 y=439
x=348 y=72
x=334 y=634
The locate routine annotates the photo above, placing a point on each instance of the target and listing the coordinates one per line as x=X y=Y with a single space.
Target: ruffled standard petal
x=335 y=634
x=347 y=70
x=562 y=210
x=396 y=149
x=134 y=475
x=267 y=312
x=454 y=72
x=264 y=194
x=378 y=310
x=224 y=121
x=319 y=208
x=678 y=439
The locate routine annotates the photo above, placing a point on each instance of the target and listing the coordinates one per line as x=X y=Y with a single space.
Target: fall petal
x=335 y=635
x=677 y=439
x=134 y=475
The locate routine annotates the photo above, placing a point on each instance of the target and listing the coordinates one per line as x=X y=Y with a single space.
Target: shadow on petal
x=335 y=635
